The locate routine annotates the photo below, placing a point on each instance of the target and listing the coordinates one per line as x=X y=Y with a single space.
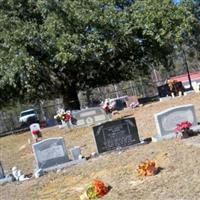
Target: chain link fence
x=9 y=119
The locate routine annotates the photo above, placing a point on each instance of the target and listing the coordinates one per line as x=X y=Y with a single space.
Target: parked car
x=28 y=117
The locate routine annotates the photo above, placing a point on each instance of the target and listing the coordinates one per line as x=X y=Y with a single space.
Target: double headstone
x=116 y=134
x=167 y=120
x=51 y=154
x=90 y=116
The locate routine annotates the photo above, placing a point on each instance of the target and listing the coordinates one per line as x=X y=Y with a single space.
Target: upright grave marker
x=115 y=134
x=90 y=116
x=50 y=152
x=167 y=120
x=2 y=175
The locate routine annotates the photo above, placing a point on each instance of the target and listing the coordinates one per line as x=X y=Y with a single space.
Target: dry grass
x=179 y=178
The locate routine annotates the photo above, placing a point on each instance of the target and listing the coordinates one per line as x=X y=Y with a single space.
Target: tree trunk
x=70 y=98
x=88 y=94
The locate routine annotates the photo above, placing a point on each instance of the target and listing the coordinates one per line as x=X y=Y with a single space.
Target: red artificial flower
x=100 y=188
x=35 y=132
x=183 y=125
x=67 y=117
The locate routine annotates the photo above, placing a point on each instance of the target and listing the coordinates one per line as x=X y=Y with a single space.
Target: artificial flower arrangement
x=147 y=168
x=62 y=115
x=95 y=190
x=183 y=129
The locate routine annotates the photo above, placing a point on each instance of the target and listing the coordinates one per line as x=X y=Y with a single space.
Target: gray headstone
x=116 y=134
x=167 y=120
x=50 y=152
x=76 y=152
x=2 y=175
x=90 y=116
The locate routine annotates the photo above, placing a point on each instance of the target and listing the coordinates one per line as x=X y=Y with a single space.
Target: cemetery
x=100 y=100
x=113 y=151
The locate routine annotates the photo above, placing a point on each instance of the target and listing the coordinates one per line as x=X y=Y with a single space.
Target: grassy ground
x=179 y=179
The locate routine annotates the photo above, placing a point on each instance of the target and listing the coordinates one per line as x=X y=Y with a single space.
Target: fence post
x=143 y=90
x=131 y=86
x=115 y=89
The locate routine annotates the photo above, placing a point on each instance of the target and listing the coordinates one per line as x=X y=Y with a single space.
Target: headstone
x=2 y=175
x=163 y=90
x=51 y=122
x=167 y=120
x=76 y=152
x=116 y=134
x=132 y=101
x=90 y=116
x=120 y=104
x=196 y=87
x=180 y=88
x=50 y=152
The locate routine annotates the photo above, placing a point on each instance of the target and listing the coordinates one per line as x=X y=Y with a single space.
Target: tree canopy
x=52 y=48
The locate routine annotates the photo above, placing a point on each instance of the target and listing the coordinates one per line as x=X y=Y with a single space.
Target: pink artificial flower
x=182 y=126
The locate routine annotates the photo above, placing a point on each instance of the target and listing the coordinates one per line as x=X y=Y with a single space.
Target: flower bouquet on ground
x=95 y=190
x=183 y=130
x=147 y=168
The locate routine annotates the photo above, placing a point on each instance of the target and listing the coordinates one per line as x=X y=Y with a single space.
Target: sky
x=176 y=1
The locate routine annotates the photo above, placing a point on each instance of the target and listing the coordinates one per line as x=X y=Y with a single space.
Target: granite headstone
x=167 y=120
x=50 y=152
x=90 y=116
x=116 y=134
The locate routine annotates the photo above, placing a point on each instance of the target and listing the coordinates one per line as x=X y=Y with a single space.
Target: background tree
x=56 y=48
x=52 y=48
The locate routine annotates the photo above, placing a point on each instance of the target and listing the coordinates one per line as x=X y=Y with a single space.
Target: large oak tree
x=51 y=48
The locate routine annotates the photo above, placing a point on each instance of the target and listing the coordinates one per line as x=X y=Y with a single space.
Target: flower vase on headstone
x=185 y=133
